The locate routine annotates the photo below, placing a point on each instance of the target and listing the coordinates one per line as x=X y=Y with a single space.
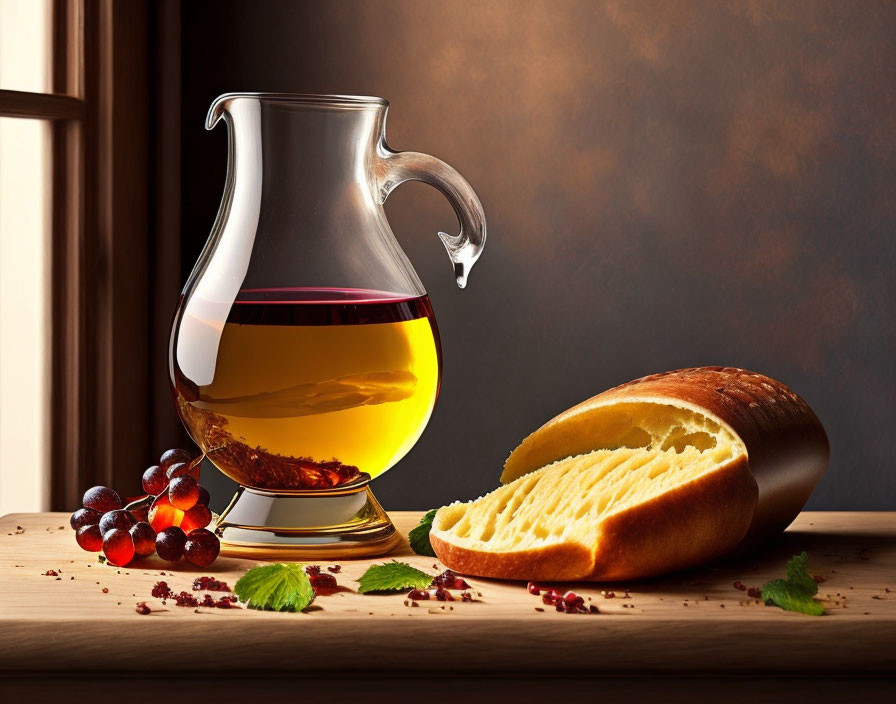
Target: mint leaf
x=393 y=576
x=798 y=574
x=419 y=536
x=280 y=587
x=797 y=591
x=780 y=592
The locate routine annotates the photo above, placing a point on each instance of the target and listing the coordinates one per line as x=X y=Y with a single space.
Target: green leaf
x=280 y=587
x=797 y=591
x=393 y=576
x=798 y=574
x=419 y=536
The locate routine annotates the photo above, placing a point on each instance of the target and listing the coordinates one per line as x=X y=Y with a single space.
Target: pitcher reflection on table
x=305 y=358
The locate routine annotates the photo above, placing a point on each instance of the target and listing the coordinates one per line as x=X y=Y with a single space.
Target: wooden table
x=688 y=625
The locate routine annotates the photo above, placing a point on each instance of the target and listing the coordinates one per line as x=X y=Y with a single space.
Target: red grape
x=170 y=544
x=179 y=469
x=170 y=457
x=144 y=538
x=118 y=547
x=154 y=480
x=116 y=519
x=202 y=547
x=102 y=499
x=204 y=497
x=197 y=517
x=84 y=517
x=90 y=538
x=163 y=515
x=183 y=492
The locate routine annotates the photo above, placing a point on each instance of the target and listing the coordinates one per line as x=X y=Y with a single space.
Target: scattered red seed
x=754 y=593
x=532 y=587
x=335 y=569
x=185 y=599
x=418 y=595
x=210 y=584
x=323 y=584
x=818 y=578
x=105 y=590
x=162 y=591
x=443 y=594
x=740 y=585
x=51 y=573
x=570 y=602
x=450 y=580
x=143 y=609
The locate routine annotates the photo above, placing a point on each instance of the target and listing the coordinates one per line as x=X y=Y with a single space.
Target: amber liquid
x=312 y=388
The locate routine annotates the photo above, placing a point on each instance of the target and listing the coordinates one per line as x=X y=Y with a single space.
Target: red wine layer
x=325 y=306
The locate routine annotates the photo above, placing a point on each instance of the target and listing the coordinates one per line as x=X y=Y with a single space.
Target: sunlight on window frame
x=25 y=262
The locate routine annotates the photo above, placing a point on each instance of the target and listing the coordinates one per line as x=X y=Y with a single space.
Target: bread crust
x=787 y=448
x=566 y=562
x=736 y=506
x=681 y=528
x=684 y=527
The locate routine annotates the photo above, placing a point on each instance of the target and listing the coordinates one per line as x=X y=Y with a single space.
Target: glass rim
x=309 y=98
x=312 y=100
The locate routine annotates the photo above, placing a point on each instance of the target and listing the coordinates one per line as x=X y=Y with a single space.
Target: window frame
x=108 y=407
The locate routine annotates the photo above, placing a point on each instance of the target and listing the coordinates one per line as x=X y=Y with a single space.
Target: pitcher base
x=315 y=525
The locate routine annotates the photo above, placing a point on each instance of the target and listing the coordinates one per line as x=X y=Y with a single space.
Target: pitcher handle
x=464 y=248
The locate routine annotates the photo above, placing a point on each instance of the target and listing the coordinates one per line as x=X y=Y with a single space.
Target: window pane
x=24 y=314
x=25 y=41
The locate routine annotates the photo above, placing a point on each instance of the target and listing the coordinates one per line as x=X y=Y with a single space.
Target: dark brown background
x=667 y=184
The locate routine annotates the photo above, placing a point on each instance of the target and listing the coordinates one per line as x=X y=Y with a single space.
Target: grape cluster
x=174 y=526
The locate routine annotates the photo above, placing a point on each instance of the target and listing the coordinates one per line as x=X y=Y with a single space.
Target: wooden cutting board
x=85 y=619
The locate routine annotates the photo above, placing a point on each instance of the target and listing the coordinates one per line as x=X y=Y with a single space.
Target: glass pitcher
x=304 y=355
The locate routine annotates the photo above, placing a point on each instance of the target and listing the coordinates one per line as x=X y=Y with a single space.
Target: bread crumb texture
x=639 y=451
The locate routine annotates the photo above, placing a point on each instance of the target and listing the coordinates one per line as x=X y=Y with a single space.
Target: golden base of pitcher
x=317 y=525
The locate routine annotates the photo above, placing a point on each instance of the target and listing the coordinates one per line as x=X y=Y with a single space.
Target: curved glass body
x=304 y=354
x=311 y=388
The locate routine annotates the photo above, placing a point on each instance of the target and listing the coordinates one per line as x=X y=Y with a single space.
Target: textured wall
x=667 y=184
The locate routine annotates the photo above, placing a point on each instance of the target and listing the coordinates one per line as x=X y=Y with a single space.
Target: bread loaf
x=661 y=473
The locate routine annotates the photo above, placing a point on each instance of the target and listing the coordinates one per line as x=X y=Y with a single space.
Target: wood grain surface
x=690 y=622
